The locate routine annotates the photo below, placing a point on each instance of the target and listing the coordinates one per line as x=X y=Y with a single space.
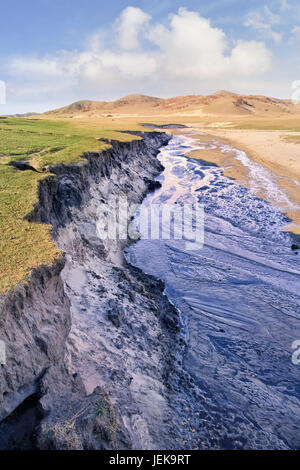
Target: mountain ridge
x=220 y=102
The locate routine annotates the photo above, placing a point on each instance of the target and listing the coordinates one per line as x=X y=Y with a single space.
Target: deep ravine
x=92 y=342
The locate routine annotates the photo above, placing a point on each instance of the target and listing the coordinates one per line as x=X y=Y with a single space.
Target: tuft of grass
x=101 y=408
x=24 y=245
x=292 y=138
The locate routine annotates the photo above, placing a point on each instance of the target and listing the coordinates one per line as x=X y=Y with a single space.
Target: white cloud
x=129 y=26
x=272 y=17
x=191 y=48
x=250 y=56
x=263 y=23
x=296 y=34
x=285 y=5
x=35 y=68
x=185 y=56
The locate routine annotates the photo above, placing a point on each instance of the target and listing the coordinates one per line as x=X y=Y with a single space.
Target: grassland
x=293 y=139
x=40 y=142
x=282 y=123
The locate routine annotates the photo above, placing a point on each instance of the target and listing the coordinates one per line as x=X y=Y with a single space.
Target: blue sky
x=55 y=52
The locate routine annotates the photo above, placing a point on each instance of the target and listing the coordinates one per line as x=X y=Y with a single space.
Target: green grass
x=101 y=408
x=288 y=124
x=293 y=138
x=55 y=141
x=25 y=245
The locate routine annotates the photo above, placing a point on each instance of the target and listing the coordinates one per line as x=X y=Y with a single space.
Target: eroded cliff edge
x=92 y=343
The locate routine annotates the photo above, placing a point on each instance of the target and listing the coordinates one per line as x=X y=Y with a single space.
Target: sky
x=54 y=52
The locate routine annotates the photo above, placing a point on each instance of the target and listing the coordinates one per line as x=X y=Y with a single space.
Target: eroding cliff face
x=34 y=324
x=92 y=339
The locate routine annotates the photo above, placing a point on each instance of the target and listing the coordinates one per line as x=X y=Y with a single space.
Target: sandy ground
x=268 y=148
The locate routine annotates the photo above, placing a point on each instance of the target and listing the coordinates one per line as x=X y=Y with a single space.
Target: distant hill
x=24 y=115
x=220 y=103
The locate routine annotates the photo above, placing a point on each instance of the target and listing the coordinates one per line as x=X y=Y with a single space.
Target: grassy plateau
x=41 y=143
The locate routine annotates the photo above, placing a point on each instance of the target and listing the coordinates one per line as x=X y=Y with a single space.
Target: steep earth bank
x=92 y=344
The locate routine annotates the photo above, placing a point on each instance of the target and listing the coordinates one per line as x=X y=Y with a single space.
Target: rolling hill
x=220 y=103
